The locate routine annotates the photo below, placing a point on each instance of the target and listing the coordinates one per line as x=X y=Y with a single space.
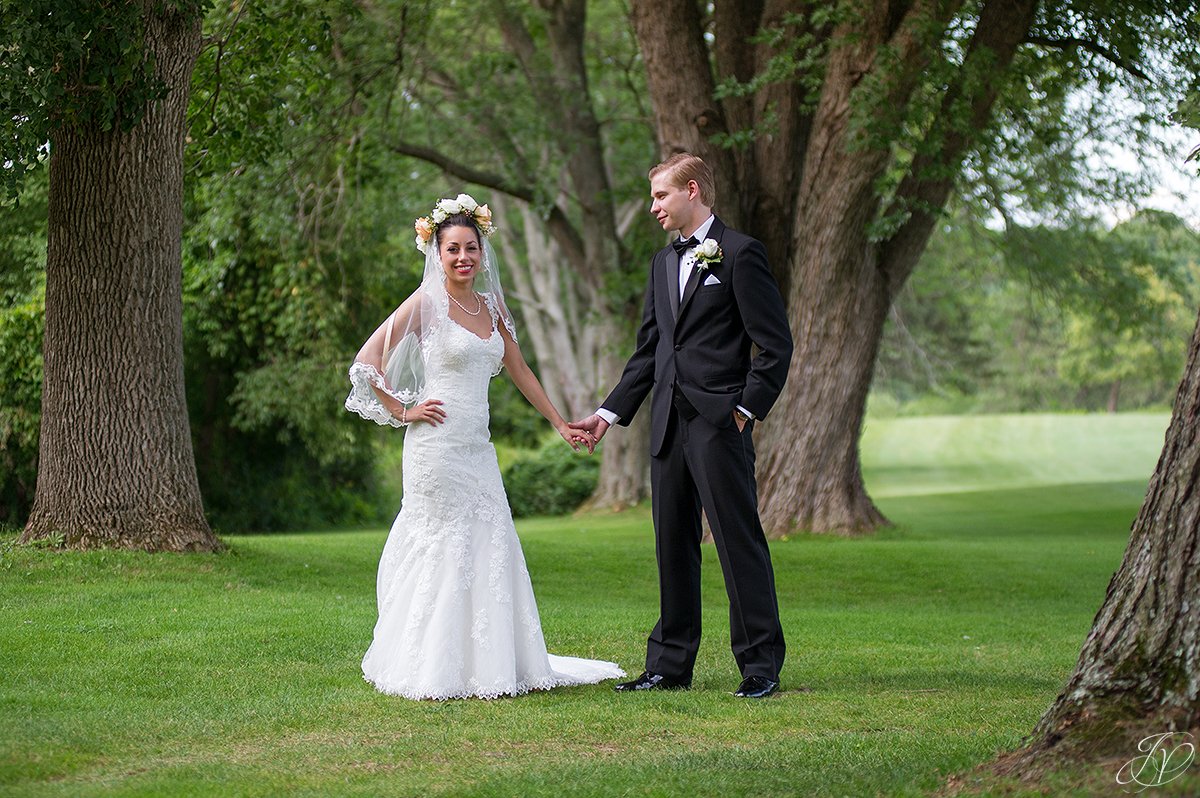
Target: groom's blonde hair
x=682 y=167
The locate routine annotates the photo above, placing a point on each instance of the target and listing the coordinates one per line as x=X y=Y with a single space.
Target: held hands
x=428 y=411
x=591 y=428
x=576 y=437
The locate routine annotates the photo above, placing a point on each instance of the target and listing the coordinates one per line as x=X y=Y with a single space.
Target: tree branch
x=490 y=127
x=558 y=77
x=461 y=170
x=556 y=220
x=627 y=214
x=521 y=44
x=911 y=44
x=1107 y=53
x=923 y=192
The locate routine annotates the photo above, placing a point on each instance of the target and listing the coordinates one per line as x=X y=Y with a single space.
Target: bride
x=457 y=617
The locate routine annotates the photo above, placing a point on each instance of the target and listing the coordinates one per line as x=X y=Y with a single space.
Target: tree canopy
x=316 y=131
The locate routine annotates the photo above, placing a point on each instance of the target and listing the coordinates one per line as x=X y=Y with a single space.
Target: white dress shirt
x=687 y=262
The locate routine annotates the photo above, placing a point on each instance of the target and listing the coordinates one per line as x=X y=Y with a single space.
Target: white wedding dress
x=457 y=617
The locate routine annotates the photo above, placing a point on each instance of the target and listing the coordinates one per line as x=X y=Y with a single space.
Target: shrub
x=20 y=407
x=554 y=480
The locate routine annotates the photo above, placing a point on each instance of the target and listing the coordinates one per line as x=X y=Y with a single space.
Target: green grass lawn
x=941 y=454
x=914 y=654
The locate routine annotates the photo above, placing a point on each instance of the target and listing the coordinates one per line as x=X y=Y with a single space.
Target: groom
x=710 y=297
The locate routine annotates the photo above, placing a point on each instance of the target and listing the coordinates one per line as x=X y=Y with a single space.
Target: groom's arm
x=638 y=377
x=765 y=317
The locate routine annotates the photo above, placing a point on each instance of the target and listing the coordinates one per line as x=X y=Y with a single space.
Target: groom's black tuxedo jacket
x=703 y=342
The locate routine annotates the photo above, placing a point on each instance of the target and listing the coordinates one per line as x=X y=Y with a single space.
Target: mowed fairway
x=913 y=654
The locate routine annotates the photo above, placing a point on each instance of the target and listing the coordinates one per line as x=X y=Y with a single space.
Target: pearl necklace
x=478 y=306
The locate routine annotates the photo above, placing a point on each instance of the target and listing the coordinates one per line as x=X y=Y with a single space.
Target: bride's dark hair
x=459 y=220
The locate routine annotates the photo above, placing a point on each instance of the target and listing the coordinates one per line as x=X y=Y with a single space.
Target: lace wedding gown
x=457 y=617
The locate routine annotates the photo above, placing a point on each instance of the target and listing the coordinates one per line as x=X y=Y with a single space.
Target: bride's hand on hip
x=429 y=411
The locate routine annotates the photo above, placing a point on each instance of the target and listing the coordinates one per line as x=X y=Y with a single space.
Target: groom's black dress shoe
x=756 y=687
x=653 y=681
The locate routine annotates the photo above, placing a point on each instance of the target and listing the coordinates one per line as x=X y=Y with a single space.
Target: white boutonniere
x=708 y=253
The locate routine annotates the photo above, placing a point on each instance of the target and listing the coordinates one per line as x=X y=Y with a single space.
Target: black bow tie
x=682 y=245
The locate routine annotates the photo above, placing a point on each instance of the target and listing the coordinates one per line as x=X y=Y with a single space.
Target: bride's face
x=461 y=255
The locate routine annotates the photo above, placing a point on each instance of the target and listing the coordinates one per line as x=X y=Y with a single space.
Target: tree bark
x=686 y=117
x=116 y=464
x=1139 y=669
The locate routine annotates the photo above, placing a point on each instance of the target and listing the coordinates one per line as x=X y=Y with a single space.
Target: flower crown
x=444 y=208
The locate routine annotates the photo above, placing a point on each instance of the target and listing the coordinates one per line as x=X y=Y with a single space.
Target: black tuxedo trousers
x=720 y=343
x=703 y=465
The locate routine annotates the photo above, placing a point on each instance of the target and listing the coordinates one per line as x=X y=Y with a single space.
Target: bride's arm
x=372 y=355
x=374 y=350
x=527 y=383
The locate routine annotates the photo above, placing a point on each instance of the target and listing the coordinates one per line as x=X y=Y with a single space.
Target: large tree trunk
x=116 y=465
x=686 y=117
x=844 y=280
x=808 y=188
x=1139 y=670
x=838 y=305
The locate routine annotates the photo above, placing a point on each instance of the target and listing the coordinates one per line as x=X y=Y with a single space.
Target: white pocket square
x=712 y=280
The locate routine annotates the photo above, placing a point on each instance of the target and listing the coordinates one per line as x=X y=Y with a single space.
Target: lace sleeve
x=391 y=362
x=363 y=400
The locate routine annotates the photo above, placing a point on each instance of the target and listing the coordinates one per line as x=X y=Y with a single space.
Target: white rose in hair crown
x=708 y=253
x=445 y=208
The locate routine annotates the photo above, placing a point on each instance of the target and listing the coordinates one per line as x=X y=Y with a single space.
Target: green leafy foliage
x=1100 y=355
x=513 y=420
x=1096 y=319
x=20 y=405
x=266 y=70
x=286 y=271
x=1091 y=79
x=1097 y=77
x=76 y=63
x=798 y=56
x=553 y=481
x=23 y=243
x=479 y=106
x=1188 y=115
x=22 y=311
x=932 y=344
x=266 y=349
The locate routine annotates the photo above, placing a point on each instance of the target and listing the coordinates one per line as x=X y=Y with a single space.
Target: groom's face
x=673 y=206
